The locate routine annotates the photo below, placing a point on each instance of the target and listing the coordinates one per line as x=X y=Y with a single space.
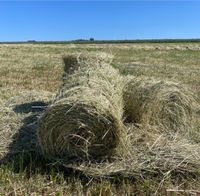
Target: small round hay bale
x=81 y=129
x=166 y=104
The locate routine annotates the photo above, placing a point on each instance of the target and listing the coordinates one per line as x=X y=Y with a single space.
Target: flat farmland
x=38 y=68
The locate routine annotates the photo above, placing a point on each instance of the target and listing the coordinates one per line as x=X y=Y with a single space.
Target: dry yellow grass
x=39 y=67
x=18 y=116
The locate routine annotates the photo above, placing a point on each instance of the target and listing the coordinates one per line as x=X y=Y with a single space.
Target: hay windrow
x=161 y=103
x=10 y=123
x=92 y=70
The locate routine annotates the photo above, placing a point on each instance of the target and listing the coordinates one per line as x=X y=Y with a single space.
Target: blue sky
x=65 y=20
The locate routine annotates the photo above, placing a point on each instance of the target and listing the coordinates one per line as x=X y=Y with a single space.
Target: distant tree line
x=92 y=40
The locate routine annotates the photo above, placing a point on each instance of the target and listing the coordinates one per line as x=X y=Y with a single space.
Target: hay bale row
x=84 y=121
x=165 y=104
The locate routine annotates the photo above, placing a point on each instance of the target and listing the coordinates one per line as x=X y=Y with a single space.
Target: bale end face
x=77 y=131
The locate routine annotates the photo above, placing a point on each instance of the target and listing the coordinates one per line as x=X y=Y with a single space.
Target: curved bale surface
x=106 y=80
x=162 y=103
x=88 y=69
x=84 y=120
x=82 y=129
x=103 y=78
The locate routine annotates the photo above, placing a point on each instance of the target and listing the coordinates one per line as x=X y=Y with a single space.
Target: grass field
x=38 y=68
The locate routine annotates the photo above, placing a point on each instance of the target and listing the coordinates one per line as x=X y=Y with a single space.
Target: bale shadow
x=24 y=153
x=34 y=107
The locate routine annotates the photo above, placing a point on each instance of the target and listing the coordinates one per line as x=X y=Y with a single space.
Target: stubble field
x=36 y=69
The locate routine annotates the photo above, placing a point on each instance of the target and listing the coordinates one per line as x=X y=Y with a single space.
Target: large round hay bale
x=84 y=120
x=79 y=129
x=162 y=103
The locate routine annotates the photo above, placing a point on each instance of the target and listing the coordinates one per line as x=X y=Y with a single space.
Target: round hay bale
x=84 y=121
x=162 y=103
x=79 y=128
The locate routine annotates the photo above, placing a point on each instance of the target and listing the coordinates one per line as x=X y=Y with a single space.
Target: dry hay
x=79 y=129
x=73 y=62
x=148 y=153
x=165 y=104
x=106 y=80
x=80 y=67
x=84 y=121
x=10 y=123
x=90 y=102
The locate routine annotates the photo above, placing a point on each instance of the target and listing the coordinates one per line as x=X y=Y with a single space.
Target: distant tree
x=31 y=41
x=92 y=39
x=80 y=40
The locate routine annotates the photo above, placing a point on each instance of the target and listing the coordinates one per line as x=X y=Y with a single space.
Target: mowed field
x=38 y=68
